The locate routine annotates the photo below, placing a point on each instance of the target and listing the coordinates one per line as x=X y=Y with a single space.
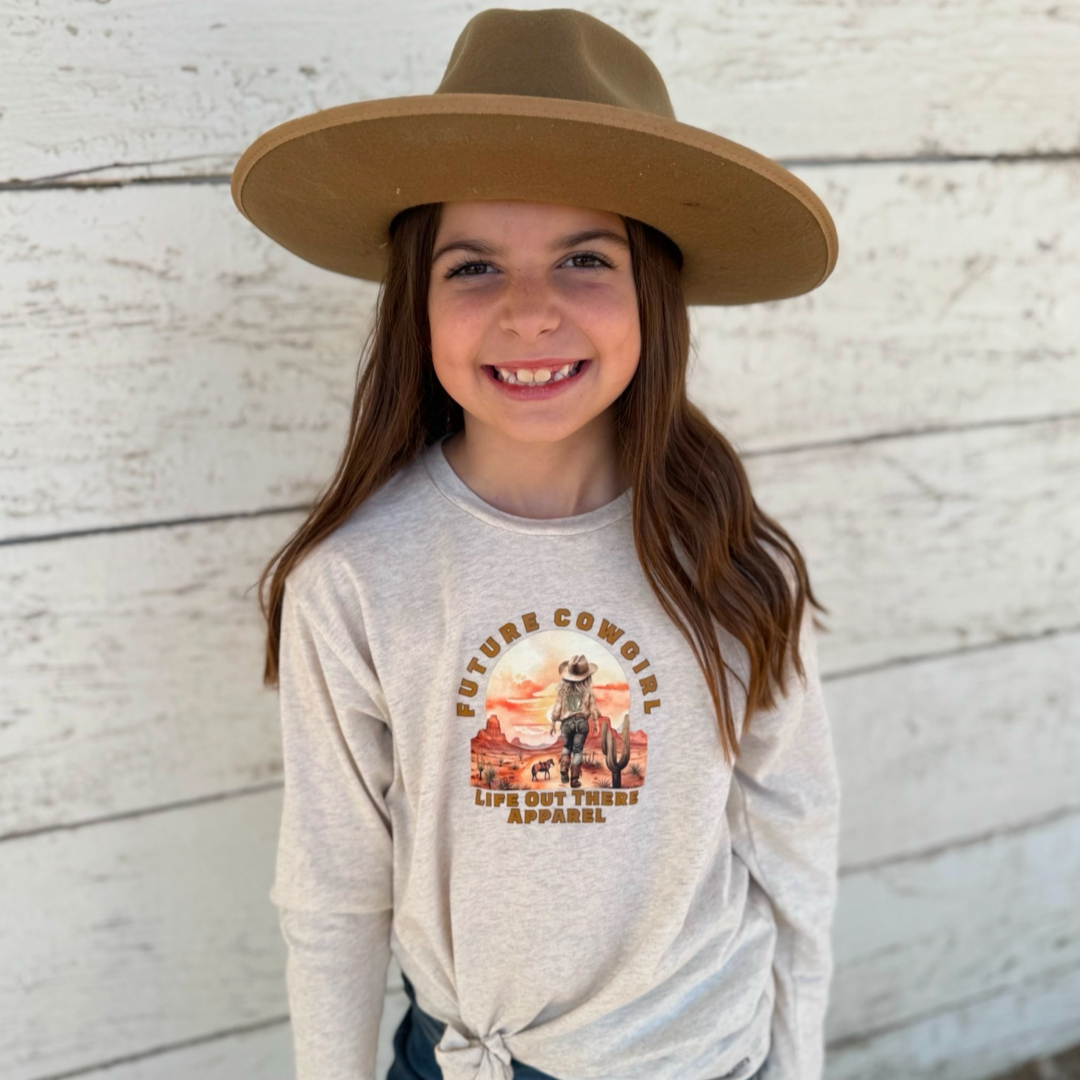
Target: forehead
x=512 y=220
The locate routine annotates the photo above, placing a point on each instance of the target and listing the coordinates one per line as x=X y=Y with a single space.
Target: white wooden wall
x=174 y=387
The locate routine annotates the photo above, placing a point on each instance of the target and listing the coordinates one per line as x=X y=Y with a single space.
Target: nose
x=529 y=308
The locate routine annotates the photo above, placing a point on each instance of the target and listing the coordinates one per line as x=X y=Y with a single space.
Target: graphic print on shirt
x=557 y=744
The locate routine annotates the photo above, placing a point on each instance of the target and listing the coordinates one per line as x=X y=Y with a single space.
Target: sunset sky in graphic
x=525 y=680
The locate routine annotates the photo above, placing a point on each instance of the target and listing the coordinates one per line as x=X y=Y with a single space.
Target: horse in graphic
x=543 y=767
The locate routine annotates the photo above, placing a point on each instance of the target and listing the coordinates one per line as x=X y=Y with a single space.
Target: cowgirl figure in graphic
x=575 y=707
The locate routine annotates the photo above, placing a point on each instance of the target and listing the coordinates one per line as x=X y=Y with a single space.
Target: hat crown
x=553 y=53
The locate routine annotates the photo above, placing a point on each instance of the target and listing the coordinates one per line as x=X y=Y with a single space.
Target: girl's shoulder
x=397 y=508
x=381 y=528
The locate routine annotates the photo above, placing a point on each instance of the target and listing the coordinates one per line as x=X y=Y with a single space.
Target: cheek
x=455 y=329
x=612 y=323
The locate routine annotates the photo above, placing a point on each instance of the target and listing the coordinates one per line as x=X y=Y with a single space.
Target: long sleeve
x=336 y=977
x=784 y=817
x=333 y=878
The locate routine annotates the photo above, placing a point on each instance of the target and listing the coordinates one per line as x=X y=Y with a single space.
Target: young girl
x=531 y=524
x=575 y=708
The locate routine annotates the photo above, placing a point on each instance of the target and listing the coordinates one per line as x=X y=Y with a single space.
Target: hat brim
x=327 y=185
x=576 y=678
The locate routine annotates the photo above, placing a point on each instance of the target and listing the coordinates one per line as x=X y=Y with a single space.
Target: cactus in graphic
x=615 y=759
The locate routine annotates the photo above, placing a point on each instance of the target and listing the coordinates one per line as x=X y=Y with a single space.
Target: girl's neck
x=544 y=479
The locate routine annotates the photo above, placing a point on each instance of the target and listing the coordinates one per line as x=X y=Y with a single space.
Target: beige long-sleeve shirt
x=669 y=919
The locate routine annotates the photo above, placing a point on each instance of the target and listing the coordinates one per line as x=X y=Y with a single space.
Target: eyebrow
x=480 y=248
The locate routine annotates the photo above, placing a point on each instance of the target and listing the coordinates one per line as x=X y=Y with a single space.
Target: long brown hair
x=700 y=536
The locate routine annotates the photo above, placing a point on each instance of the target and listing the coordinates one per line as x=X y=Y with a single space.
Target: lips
x=537 y=374
x=536 y=391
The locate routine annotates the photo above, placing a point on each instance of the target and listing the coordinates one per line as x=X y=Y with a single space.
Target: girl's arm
x=335 y=850
x=556 y=709
x=336 y=977
x=784 y=816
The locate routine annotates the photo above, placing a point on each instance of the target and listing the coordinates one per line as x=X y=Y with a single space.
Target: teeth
x=531 y=376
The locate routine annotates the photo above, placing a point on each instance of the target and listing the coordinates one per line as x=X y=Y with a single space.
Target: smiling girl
x=531 y=524
x=535 y=335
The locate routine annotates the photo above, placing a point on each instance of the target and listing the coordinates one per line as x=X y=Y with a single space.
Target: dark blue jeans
x=414 y=1047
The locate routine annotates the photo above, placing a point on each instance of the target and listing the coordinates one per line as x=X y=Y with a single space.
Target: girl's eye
x=460 y=269
x=591 y=255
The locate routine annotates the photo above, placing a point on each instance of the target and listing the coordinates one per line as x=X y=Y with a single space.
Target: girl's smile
x=537 y=380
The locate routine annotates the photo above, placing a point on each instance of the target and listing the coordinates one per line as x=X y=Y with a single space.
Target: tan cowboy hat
x=576 y=669
x=545 y=106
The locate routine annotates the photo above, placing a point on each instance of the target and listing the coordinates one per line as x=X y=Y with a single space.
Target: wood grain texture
x=131 y=935
x=163 y=363
x=973 y=1041
x=132 y=664
x=931 y=933
x=955 y=747
x=928 y=544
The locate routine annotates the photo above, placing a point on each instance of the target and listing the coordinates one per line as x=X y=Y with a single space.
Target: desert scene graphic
x=558 y=716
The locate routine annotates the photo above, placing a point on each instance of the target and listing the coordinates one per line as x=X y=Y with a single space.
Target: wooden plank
x=132 y=665
x=933 y=543
x=187 y=389
x=929 y=933
x=949 y=748
x=945 y=310
x=207 y=371
x=262 y=1053
x=131 y=89
x=900 y=420
x=141 y=933
x=980 y=1039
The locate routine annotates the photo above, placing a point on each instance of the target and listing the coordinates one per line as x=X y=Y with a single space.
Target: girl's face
x=525 y=287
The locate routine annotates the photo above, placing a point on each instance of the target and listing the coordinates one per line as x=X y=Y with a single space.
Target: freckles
x=609 y=315
x=617 y=316
x=459 y=315
x=465 y=310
